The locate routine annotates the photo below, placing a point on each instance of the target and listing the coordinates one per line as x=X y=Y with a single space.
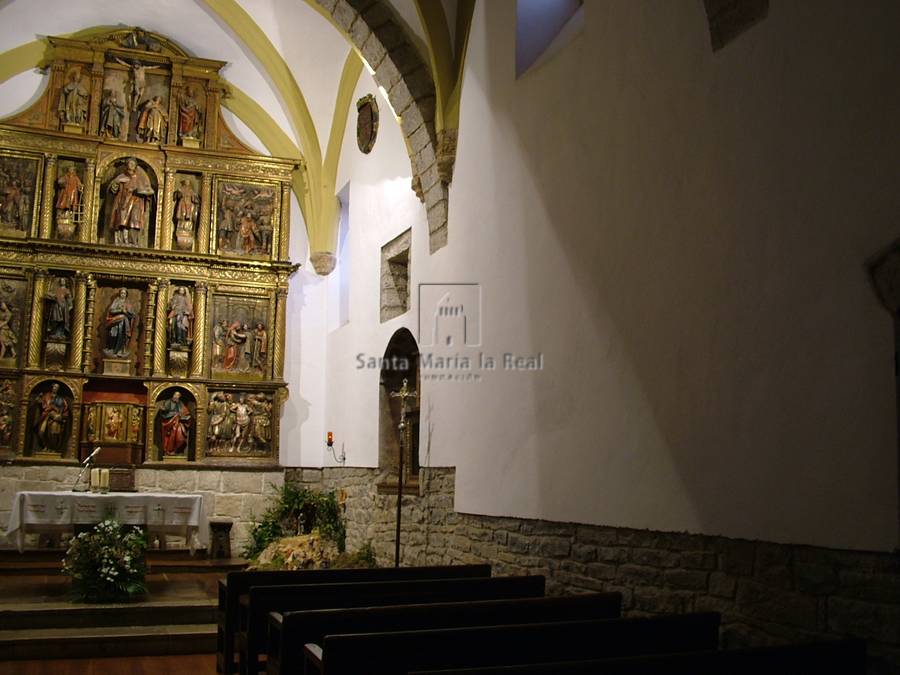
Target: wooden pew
x=237 y=584
x=404 y=651
x=289 y=632
x=832 y=657
x=254 y=608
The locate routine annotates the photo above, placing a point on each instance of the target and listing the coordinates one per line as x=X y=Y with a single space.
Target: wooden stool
x=219 y=538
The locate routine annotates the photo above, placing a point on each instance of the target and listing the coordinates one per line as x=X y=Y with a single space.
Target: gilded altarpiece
x=143 y=265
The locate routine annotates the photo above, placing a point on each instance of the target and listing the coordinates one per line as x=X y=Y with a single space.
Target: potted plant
x=107 y=564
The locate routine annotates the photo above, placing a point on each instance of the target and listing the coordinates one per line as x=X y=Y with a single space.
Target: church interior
x=579 y=310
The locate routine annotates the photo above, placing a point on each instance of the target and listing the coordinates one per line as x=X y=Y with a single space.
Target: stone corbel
x=323 y=262
x=446 y=155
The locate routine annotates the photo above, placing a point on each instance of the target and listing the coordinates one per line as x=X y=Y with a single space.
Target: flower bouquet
x=107 y=564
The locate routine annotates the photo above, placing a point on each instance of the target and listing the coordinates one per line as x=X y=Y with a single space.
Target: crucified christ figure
x=138 y=80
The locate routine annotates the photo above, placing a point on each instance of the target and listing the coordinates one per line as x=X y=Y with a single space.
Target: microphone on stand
x=90 y=458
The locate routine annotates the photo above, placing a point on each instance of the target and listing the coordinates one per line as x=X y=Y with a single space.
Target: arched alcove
x=51 y=406
x=400 y=362
x=175 y=425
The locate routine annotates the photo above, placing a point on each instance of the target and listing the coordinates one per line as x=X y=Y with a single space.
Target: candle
x=104 y=479
x=95 y=478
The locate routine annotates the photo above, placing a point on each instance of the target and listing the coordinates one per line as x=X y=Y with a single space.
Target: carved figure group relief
x=18 y=180
x=239 y=423
x=59 y=311
x=52 y=413
x=245 y=219
x=8 y=401
x=130 y=211
x=12 y=303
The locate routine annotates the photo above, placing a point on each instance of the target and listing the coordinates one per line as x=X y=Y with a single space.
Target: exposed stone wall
x=766 y=592
x=236 y=494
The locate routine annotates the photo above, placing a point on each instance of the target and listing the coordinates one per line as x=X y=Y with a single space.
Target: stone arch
x=400 y=362
x=371 y=27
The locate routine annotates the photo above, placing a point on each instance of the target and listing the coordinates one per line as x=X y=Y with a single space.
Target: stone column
x=36 y=332
x=77 y=322
x=47 y=199
x=280 y=324
x=284 y=233
x=86 y=233
x=198 y=349
x=152 y=289
x=164 y=243
x=203 y=227
x=87 y=352
x=159 y=331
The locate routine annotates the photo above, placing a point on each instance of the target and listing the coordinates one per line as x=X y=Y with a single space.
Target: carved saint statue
x=113 y=422
x=260 y=347
x=14 y=206
x=261 y=423
x=68 y=197
x=73 y=100
x=151 y=126
x=186 y=202
x=189 y=114
x=112 y=113
x=221 y=424
x=131 y=204
x=119 y=322
x=51 y=420
x=175 y=420
x=181 y=318
x=242 y=414
x=8 y=337
x=58 y=327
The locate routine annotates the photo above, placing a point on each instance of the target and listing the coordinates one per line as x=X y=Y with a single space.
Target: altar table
x=56 y=512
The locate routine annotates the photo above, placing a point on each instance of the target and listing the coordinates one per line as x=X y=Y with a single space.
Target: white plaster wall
x=683 y=235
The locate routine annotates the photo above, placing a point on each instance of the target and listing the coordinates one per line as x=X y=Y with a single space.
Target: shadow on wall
x=683 y=191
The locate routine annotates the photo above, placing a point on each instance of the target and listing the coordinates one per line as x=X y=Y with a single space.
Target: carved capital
x=323 y=262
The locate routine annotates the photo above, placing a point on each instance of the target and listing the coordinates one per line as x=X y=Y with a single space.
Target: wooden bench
x=832 y=657
x=254 y=608
x=404 y=651
x=237 y=584
x=289 y=632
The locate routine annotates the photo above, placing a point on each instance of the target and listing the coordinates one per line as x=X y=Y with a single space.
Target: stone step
x=63 y=616
x=104 y=641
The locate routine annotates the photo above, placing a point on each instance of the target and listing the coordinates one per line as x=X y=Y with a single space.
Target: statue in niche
x=260 y=347
x=90 y=426
x=181 y=319
x=51 y=420
x=68 y=202
x=119 y=322
x=151 y=126
x=113 y=422
x=186 y=202
x=58 y=317
x=8 y=337
x=112 y=114
x=175 y=423
x=73 y=100
x=189 y=114
x=131 y=204
x=135 y=424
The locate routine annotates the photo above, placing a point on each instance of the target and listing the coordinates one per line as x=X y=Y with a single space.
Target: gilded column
x=77 y=323
x=284 y=231
x=89 y=323
x=85 y=231
x=203 y=228
x=159 y=331
x=213 y=98
x=36 y=331
x=280 y=326
x=93 y=124
x=57 y=80
x=165 y=234
x=46 y=225
x=152 y=289
x=174 y=98
x=198 y=350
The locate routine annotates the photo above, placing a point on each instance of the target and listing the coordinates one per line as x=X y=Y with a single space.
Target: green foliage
x=298 y=511
x=107 y=564
x=364 y=557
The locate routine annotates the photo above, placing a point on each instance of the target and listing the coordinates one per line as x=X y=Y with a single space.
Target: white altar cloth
x=55 y=512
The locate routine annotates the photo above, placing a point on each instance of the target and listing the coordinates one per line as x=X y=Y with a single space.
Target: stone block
x=253 y=506
x=638 y=575
x=736 y=556
x=406 y=59
x=864 y=619
x=344 y=15
x=272 y=483
x=698 y=560
x=687 y=579
x=722 y=585
x=240 y=481
x=390 y=35
x=657 y=601
x=637 y=538
x=228 y=505
x=654 y=557
x=11 y=471
x=145 y=479
x=37 y=473
x=62 y=474
x=209 y=480
x=872 y=586
x=813 y=578
x=552 y=547
x=612 y=554
x=179 y=480
x=583 y=553
x=600 y=571
x=777 y=605
x=387 y=74
x=359 y=32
